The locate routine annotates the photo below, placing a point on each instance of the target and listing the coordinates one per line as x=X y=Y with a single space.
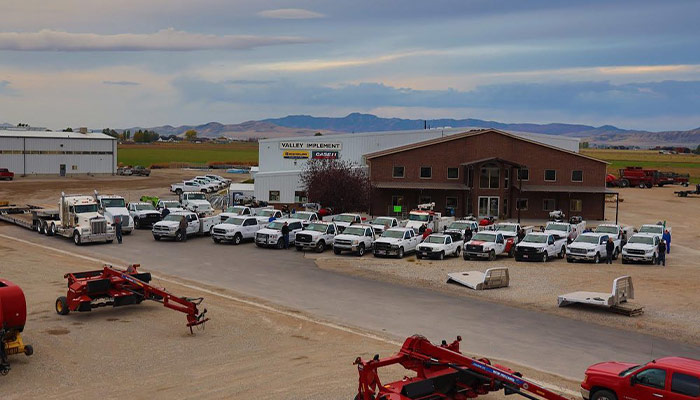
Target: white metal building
x=28 y=152
x=281 y=160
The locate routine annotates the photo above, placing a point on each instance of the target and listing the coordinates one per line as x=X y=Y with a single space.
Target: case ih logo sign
x=333 y=146
x=324 y=155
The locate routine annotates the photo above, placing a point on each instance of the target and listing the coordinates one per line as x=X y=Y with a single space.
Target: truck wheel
x=649 y=185
x=545 y=257
x=596 y=259
x=62 y=306
x=156 y=237
x=179 y=237
x=237 y=239
x=492 y=255
x=215 y=240
x=76 y=238
x=320 y=246
x=465 y=256
x=624 y=183
x=616 y=253
x=361 y=250
x=441 y=256
x=280 y=244
x=624 y=261
x=569 y=260
x=299 y=248
x=653 y=260
x=418 y=256
x=52 y=230
x=336 y=251
x=459 y=249
x=28 y=350
x=137 y=223
x=603 y=395
x=562 y=252
x=178 y=192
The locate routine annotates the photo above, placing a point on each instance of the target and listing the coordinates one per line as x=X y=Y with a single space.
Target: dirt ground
x=145 y=351
x=670 y=295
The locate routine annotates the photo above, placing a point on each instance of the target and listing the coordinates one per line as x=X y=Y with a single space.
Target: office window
x=576 y=205
x=506 y=178
x=426 y=172
x=550 y=175
x=424 y=199
x=524 y=174
x=576 y=176
x=274 y=195
x=452 y=173
x=549 y=204
x=399 y=172
x=521 y=204
x=490 y=176
x=300 y=197
x=451 y=202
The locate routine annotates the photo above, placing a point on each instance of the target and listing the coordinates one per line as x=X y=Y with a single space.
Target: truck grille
x=474 y=247
x=425 y=249
x=220 y=231
x=261 y=237
x=98 y=226
x=635 y=251
x=303 y=238
x=382 y=246
x=161 y=228
x=577 y=251
x=523 y=249
x=343 y=242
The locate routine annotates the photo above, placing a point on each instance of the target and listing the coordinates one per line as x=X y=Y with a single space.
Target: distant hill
x=245 y=130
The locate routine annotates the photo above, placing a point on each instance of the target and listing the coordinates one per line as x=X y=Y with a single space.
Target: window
x=576 y=205
x=685 y=384
x=294 y=226
x=368 y=232
x=331 y=229
x=448 y=240
x=424 y=199
x=653 y=377
x=451 y=202
x=521 y=204
x=274 y=195
x=577 y=176
x=490 y=176
x=426 y=172
x=399 y=172
x=452 y=173
x=506 y=178
x=74 y=167
x=300 y=197
x=250 y=221
x=524 y=174
x=549 y=205
x=550 y=175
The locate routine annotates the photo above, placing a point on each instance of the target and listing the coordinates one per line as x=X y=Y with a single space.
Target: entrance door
x=488 y=206
x=63 y=169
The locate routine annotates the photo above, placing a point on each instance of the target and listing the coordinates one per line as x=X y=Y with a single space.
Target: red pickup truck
x=669 y=378
x=5 y=174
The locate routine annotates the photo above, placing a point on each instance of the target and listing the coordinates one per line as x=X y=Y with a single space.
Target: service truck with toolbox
x=540 y=246
x=424 y=215
x=439 y=245
x=619 y=234
x=355 y=238
x=112 y=206
x=589 y=246
x=488 y=244
x=196 y=202
x=316 y=236
x=396 y=242
x=236 y=229
x=461 y=225
x=566 y=229
x=510 y=229
x=169 y=227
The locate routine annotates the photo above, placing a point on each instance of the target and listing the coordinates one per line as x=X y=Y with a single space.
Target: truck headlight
x=355 y=242
x=591 y=251
x=543 y=249
x=394 y=246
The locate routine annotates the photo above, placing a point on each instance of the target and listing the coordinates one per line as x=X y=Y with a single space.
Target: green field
x=679 y=163
x=165 y=154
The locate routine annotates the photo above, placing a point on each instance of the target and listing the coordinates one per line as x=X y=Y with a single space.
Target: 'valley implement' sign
x=335 y=146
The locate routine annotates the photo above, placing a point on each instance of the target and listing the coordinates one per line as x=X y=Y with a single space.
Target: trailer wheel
x=28 y=350
x=603 y=395
x=62 y=306
x=237 y=239
x=76 y=237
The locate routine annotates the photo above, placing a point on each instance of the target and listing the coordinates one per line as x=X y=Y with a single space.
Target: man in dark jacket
x=164 y=213
x=521 y=235
x=183 y=228
x=610 y=250
x=285 y=235
x=422 y=229
x=118 y=228
x=661 y=260
x=467 y=234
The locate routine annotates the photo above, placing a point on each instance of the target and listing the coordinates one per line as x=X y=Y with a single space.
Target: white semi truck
x=77 y=217
x=112 y=206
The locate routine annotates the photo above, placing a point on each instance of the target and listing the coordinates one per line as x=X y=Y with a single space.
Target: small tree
x=318 y=134
x=342 y=185
x=191 y=135
x=69 y=129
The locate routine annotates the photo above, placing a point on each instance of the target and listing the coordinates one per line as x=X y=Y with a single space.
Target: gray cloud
x=6 y=89
x=121 y=83
x=162 y=40
x=290 y=13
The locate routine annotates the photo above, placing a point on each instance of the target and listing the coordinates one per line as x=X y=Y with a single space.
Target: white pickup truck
x=488 y=244
x=356 y=238
x=654 y=229
x=143 y=214
x=439 y=245
x=618 y=233
x=381 y=223
x=187 y=186
x=461 y=225
x=169 y=227
x=396 y=242
x=589 y=246
x=196 y=202
x=217 y=184
x=511 y=229
x=171 y=205
x=111 y=206
x=570 y=231
x=540 y=246
x=207 y=184
x=265 y=215
x=236 y=229
x=342 y=221
x=271 y=235
x=306 y=217
x=316 y=236
x=641 y=247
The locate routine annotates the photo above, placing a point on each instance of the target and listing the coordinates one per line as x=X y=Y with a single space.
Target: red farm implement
x=13 y=315
x=442 y=372
x=113 y=287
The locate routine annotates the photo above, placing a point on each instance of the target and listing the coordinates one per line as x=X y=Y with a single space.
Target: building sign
x=324 y=155
x=335 y=146
x=295 y=154
x=397 y=209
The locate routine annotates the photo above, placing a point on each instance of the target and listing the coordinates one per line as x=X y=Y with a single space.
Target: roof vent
x=83 y=130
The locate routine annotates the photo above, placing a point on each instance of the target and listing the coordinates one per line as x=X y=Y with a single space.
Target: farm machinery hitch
x=442 y=372
x=113 y=287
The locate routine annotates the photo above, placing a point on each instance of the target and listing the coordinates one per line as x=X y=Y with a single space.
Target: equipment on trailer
x=114 y=287
x=13 y=315
x=442 y=372
x=685 y=193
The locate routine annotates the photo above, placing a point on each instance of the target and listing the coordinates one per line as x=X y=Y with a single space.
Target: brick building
x=477 y=172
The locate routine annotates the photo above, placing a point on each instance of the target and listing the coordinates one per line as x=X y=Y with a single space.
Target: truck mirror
x=633 y=380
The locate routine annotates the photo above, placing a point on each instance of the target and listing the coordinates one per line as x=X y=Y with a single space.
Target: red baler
x=13 y=315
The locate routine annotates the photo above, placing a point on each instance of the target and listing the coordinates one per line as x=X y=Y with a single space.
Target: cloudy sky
x=103 y=63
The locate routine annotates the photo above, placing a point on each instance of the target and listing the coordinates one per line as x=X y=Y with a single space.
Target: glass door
x=488 y=206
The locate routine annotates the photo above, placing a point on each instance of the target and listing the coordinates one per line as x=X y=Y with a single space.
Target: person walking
x=467 y=234
x=667 y=238
x=183 y=228
x=661 y=259
x=285 y=235
x=609 y=250
x=118 y=228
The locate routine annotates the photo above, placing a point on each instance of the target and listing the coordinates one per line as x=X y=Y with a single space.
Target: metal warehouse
x=29 y=152
x=281 y=160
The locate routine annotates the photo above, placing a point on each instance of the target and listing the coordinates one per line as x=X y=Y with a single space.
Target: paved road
x=543 y=341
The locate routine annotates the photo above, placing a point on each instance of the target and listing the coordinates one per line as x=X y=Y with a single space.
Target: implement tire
x=62 y=306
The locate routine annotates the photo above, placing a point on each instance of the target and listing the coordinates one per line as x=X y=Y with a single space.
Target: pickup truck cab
x=669 y=378
x=510 y=229
x=219 y=178
x=6 y=174
x=540 y=246
x=655 y=229
x=236 y=229
x=316 y=236
x=345 y=220
x=169 y=227
x=356 y=238
x=619 y=234
x=271 y=235
x=171 y=205
x=196 y=202
x=565 y=229
x=461 y=225
x=381 y=223
x=143 y=214
x=112 y=206
x=488 y=244
x=396 y=242
x=641 y=247
x=187 y=186
x=439 y=245
x=588 y=246
x=268 y=215
x=306 y=217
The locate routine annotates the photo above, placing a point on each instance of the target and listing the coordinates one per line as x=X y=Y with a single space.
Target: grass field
x=244 y=153
x=680 y=163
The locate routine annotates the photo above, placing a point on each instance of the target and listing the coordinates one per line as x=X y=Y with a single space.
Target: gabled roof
x=470 y=133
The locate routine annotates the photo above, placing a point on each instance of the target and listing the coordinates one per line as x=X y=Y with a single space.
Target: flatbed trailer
x=27 y=216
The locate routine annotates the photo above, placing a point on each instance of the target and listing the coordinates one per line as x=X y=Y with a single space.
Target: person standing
x=521 y=235
x=118 y=228
x=422 y=229
x=467 y=234
x=183 y=228
x=667 y=238
x=164 y=213
x=661 y=260
x=609 y=250
x=285 y=234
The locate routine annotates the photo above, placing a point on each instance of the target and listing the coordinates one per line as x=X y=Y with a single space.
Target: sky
x=98 y=63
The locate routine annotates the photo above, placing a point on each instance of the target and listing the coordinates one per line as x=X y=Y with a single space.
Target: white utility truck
x=439 y=245
x=196 y=202
x=169 y=227
x=271 y=235
x=236 y=229
x=188 y=186
x=356 y=238
x=565 y=229
x=143 y=214
x=424 y=215
x=316 y=236
x=78 y=218
x=171 y=205
x=654 y=229
x=589 y=246
x=488 y=244
x=396 y=242
x=619 y=234
x=112 y=206
x=540 y=246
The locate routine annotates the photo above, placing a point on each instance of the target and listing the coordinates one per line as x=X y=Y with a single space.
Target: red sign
x=324 y=155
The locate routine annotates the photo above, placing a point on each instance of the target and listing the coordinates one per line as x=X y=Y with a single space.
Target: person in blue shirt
x=667 y=238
